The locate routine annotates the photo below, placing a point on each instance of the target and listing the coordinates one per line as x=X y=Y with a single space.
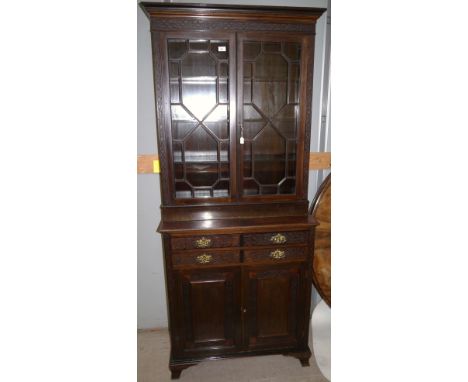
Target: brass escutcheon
x=203 y=243
x=204 y=259
x=278 y=239
x=277 y=254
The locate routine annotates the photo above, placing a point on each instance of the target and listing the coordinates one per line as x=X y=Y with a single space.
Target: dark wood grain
x=273 y=303
x=209 y=304
x=207 y=241
x=293 y=237
x=180 y=260
x=321 y=210
x=231 y=290
x=265 y=255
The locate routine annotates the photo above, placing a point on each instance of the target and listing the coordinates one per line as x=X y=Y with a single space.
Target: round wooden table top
x=321 y=210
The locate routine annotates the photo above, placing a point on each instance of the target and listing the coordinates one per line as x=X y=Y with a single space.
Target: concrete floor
x=153 y=358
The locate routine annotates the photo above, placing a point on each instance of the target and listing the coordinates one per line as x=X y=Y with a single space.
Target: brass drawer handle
x=277 y=254
x=203 y=243
x=278 y=239
x=204 y=259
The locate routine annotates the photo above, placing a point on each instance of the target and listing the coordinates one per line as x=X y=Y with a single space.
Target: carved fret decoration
x=265 y=238
x=158 y=58
x=291 y=254
x=217 y=241
x=179 y=260
x=169 y=24
x=308 y=119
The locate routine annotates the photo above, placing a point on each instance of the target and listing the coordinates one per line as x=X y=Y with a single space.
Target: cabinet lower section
x=249 y=299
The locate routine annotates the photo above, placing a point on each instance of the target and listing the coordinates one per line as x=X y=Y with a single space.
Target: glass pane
x=271 y=72
x=294 y=83
x=271 y=47
x=291 y=146
x=223 y=91
x=253 y=122
x=182 y=122
x=183 y=190
x=198 y=65
x=292 y=50
x=177 y=48
x=221 y=189
x=175 y=91
x=223 y=69
x=247 y=91
x=199 y=96
x=269 y=190
x=200 y=146
x=271 y=67
x=251 y=50
x=220 y=49
x=224 y=151
x=224 y=167
x=247 y=158
x=177 y=152
x=250 y=187
x=269 y=96
x=269 y=151
x=198 y=45
x=179 y=171
x=217 y=122
x=174 y=69
x=202 y=174
x=288 y=186
x=203 y=193
x=285 y=121
x=199 y=78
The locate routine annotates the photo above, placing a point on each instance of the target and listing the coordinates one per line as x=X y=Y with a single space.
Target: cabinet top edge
x=237 y=225
x=228 y=10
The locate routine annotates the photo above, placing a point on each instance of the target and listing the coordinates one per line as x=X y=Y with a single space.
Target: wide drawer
x=204 y=258
x=275 y=254
x=274 y=238
x=207 y=241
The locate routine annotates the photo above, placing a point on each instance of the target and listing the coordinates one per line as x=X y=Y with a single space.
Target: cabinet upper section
x=180 y=16
x=233 y=103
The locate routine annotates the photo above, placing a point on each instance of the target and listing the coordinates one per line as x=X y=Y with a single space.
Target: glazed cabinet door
x=274 y=302
x=208 y=306
x=201 y=114
x=271 y=97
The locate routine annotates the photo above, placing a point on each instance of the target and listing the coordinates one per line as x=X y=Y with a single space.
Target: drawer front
x=275 y=254
x=275 y=238
x=202 y=259
x=207 y=241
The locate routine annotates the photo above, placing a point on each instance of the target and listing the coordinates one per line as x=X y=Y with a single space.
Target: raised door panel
x=271 y=83
x=209 y=310
x=274 y=302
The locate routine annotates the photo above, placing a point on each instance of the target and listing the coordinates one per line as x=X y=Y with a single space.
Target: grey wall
x=151 y=285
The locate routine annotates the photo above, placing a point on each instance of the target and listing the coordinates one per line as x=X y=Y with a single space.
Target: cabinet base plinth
x=177 y=366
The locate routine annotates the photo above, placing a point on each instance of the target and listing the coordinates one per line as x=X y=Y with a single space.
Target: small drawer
x=204 y=258
x=275 y=238
x=276 y=254
x=207 y=241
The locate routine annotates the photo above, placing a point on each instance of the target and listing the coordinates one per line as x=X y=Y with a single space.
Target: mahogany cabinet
x=233 y=88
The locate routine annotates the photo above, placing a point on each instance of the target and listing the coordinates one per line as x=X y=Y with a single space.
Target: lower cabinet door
x=274 y=305
x=208 y=311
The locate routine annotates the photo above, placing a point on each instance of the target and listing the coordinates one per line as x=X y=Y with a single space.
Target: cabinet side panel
x=162 y=109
